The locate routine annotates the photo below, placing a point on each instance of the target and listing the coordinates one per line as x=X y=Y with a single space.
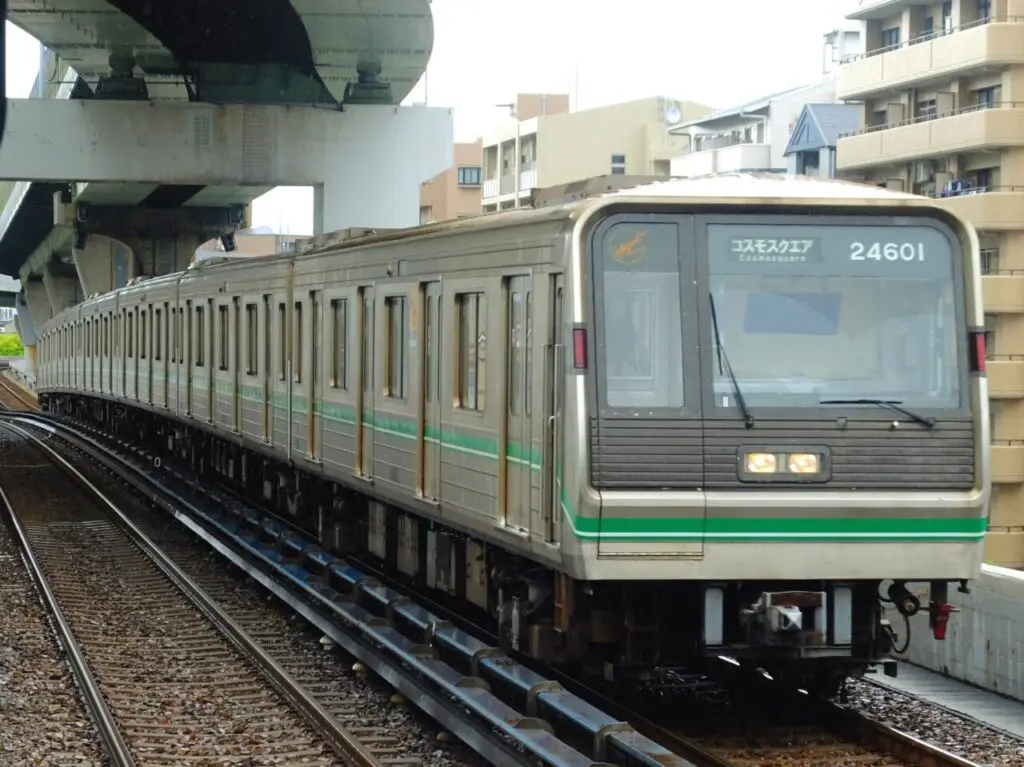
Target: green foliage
x=10 y=345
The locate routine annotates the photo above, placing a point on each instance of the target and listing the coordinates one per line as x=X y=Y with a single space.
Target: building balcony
x=966 y=130
x=995 y=43
x=993 y=209
x=1007 y=462
x=732 y=158
x=1003 y=293
x=506 y=185
x=491 y=188
x=1005 y=377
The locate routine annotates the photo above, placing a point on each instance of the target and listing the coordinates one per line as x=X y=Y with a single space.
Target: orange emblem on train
x=629 y=250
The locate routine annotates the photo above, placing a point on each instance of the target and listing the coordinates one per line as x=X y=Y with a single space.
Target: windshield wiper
x=892 y=404
x=724 y=368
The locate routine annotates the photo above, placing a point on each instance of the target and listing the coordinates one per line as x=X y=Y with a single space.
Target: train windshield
x=805 y=313
x=813 y=313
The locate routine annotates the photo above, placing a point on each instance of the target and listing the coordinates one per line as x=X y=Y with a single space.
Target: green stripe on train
x=736 y=529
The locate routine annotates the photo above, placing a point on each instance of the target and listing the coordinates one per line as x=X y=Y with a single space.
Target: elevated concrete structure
x=365 y=164
x=235 y=51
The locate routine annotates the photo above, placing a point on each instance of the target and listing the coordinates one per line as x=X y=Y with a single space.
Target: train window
x=282 y=334
x=106 y=337
x=157 y=327
x=515 y=352
x=339 y=349
x=172 y=342
x=430 y=377
x=396 y=317
x=142 y=335
x=528 y=374
x=180 y=340
x=200 y=337
x=366 y=364
x=131 y=336
x=297 y=351
x=222 y=312
x=472 y=345
x=252 y=339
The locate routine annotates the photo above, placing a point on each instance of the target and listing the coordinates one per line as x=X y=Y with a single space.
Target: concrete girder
x=61 y=284
x=23 y=321
x=102 y=264
x=366 y=162
x=37 y=302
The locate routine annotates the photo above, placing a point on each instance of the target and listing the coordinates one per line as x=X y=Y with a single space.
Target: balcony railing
x=974 y=190
x=917 y=119
x=924 y=37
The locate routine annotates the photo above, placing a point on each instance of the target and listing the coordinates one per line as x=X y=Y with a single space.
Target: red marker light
x=579 y=348
x=978 y=353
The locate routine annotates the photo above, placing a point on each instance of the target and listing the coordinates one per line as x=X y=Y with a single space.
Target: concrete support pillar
x=28 y=319
x=61 y=290
x=103 y=264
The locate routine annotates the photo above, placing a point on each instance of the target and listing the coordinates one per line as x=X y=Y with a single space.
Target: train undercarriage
x=810 y=634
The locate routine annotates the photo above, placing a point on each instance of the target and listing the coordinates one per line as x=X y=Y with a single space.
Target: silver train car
x=735 y=415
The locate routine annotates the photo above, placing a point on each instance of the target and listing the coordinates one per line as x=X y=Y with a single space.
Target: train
x=739 y=415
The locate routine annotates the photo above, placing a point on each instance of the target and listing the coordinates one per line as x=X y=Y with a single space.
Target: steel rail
x=107 y=728
x=340 y=740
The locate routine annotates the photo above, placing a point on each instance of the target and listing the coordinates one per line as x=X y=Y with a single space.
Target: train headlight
x=768 y=463
x=803 y=463
x=762 y=463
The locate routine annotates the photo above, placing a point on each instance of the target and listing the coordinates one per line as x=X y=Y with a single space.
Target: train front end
x=785 y=419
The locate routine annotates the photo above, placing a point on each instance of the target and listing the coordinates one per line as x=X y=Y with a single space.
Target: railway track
x=13 y=399
x=167 y=677
x=774 y=727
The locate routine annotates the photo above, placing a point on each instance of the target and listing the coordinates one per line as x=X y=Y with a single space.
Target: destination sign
x=875 y=251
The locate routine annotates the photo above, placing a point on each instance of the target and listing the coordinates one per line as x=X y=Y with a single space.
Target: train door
x=125 y=340
x=189 y=325
x=148 y=350
x=518 y=401
x=313 y=387
x=364 y=403
x=268 y=319
x=134 y=322
x=167 y=354
x=554 y=394
x=430 y=388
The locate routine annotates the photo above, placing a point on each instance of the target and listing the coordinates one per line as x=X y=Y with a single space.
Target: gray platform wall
x=985 y=642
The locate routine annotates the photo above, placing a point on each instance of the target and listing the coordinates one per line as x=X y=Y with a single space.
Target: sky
x=598 y=51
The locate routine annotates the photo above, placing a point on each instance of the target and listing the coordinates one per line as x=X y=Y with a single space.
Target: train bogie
x=529 y=414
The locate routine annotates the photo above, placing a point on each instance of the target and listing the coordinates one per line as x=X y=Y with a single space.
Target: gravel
x=958 y=735
x=42 y=720
x=358 y=698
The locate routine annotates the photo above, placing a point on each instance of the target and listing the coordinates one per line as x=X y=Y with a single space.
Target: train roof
x=766 y=186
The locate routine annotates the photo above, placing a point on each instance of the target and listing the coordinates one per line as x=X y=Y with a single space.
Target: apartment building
x=750 y=137
x=941 y=89
x=557 y=147
x=455 y=192
x=811 y=150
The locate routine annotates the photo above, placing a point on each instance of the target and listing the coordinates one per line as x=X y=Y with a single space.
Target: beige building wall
x=630 y=138
x=454 y=193
x=942 y=89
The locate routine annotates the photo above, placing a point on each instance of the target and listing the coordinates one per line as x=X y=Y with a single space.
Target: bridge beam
x=366 y=162
x=61 y=284
x=102 y=263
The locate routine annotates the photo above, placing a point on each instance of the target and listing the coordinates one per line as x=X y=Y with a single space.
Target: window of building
x=618 y=164
x=891 y=37
x=990 y=336
x=469 y=175
x=339 y=349
x=990 y=261
x=984 y=10
x=396 y=331
x=472 y=345
x=985 y=97
x=252 y=339
x=200 y=336
x=222 y=312
x=947 y=18
x=926 y=110
x=928 y=30
x=983 y=179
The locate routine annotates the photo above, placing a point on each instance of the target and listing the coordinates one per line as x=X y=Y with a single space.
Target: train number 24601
x=888 y=251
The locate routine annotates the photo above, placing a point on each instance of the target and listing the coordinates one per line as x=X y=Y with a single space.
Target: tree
x=11 y=346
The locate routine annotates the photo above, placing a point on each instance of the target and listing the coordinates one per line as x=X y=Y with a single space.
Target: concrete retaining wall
x=985 y=642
